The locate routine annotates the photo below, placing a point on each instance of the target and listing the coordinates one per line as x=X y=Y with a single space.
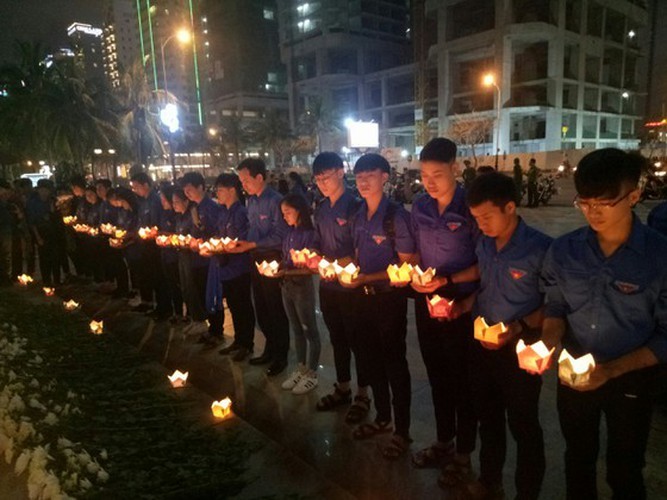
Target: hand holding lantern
x=494 y=335
x=268 y=269
x=439 y=307
x=535 y=358
x=575 y=371
x=400 y=275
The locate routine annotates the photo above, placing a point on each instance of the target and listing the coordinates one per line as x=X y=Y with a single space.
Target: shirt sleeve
x=278 y=230
x=658 y=341
x=239 y=227
x=405 y=242
x=556 y=306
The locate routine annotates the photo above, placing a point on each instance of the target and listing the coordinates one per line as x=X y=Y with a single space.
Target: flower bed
x=84 y=415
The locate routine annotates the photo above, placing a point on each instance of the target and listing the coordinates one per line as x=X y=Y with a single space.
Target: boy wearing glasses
x=606 y=289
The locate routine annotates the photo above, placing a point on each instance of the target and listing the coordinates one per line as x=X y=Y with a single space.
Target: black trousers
x=118 y=270
x=445 y=347
x=627 y=404
x=49 y=266
x=336 y=306
x=173 y=289
x=501 y=388
x=151 y=277
x=271 y=315
x=237 y=292
x=381 y=324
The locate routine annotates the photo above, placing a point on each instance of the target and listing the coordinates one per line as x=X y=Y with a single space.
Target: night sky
x=43 y=20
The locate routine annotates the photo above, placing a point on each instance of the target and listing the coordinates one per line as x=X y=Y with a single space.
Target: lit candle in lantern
x=327 y=269
x=97 y=327
x=69 y=220
x=178 y=379
x=107 y=228
x=222 y=409
x=206 y=247
x=422 y=278
x=535 y=358
x=269 y=269
x=575 y=371
x=24 y=279
x=348 y=273
x=229 y=242
x=93 y=231
x=119 y=234
x=491 y=334
x=49 y=291
x=148 y=233
x=70 y=305
x=162 y=240
x=399 y=274
x=439 y=307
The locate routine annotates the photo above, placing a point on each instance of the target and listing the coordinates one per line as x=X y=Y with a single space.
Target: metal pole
x=164 y=66
x=172 y=156
x=497 y=125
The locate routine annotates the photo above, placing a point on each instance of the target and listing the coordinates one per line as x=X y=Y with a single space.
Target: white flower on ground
x=34 y=403
x=93 y=467
x=51 y=419
x=22 y=462
x=26 y=430
x=9 y=451
x=103 y=454
x=34 y=383
x=37 y=359
x=85 y=484
x=64 y=443
x=102 y=476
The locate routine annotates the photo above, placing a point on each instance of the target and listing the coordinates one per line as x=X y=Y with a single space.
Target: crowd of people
x=599 y=290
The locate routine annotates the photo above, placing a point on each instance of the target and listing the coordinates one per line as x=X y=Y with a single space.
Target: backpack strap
x=389 y=223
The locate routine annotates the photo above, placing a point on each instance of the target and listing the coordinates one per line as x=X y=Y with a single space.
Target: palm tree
x=235 y=134
x=273 y=132
x=318 y=120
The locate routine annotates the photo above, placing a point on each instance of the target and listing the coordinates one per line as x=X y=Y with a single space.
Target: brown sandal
x=358 y=410
x=397 y=447
x=337 y=398
x=434 y=456
x=456 y=474
x=365 y=431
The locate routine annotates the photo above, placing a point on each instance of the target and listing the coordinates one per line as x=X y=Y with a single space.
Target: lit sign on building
x=363 y=135
x=86 y=29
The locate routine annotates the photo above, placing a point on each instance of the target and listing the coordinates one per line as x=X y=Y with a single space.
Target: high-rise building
x=355 y=57
x=86 y=42
x=568 y=73
x=120 y=39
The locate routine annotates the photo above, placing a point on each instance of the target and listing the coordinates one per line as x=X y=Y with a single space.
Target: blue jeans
x=299 y=300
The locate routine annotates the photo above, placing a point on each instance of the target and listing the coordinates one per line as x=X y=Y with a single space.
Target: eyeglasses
x=585 y=206
x=321 y=179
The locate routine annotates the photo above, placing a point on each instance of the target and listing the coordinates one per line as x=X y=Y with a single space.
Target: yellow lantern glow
x=491 y=334
x=69 y=220
x=49 y=291
x=400 y=274
x=422 y=278
x=268 y=269
x=535 y=358
x=575 y=371
x=148 y=233
x=107 y=228
x=230 y=243
x=222 y=409
x=119 y=234
x=178 y=379
x=162 y=240
x=24 y=279
x=97 y=327
x=348 y=273
x=70 y=305
x=439 y=307
x=327 y=269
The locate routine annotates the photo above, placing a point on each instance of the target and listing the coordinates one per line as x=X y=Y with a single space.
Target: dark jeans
x=381 y=323
x=627 y=404
x=445 y=349
x=49 y=267
x=175 y=297
x=336 y=306
x=23 y=250
x=151 y=277
x=5 y=257
x=238 y=296
x=118 y=270
x=499 y=386
x=299 y=301
x=271 y=315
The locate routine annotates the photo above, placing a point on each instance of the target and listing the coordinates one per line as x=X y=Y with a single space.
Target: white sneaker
x=196 y=328
x=292 y=380
x=306 y=384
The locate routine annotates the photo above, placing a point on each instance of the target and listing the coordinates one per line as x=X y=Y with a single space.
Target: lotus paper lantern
x=49 y=291
x=348 y=273
x=148 y=233
x=269 y=269
x=229 y=242
x=535 y=358
x=120 y=234
x=162 y=240
x=575 y=371
x=69 y=220
x=222 y=409
x=422 y=278
x=183 y=241
x=70 y=305
x=93 y=231
x=490 y=334
x=81 y=228
x=305 y=258
x=439 y=307
x=178 y=379
x=24 y=279
x=115 y=243
x=97 y=327
x=107 y=228
x=327 y=269
x=400 y=274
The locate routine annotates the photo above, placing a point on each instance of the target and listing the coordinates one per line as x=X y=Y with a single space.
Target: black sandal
x=434 y=456
x=456 y=474
x=365 y=431
x=397 y=447
x=358 y=410
x=337 y=398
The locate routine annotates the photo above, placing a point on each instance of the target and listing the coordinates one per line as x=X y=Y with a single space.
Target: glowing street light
x=182 y=35
x=489 y=80
x=169 y=118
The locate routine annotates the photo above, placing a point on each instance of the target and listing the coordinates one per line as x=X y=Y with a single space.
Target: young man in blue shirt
x=510 y=255
x=266 y=231
x=333 y=223
x=382 y=236
x=446 y=234
x=606 y=289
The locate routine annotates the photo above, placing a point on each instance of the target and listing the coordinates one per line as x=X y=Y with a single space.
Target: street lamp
x=489 y=80
x=169 y=118
x=183 y=36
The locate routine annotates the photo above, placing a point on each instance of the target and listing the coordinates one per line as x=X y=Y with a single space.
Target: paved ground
x=307 y=442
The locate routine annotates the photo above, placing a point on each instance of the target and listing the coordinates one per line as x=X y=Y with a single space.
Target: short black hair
x=439 y=149
x=4 y=184
x=46 y=184
x=167 y=190
x=194 y=179
x=90 y=187
x=230 y=181
x=326 y=161
x=78 y=181
x=300 y=204
x=485 y=169
x=370 y=162
x=142 y=178
x=103 y=182
x=495 y=187
x=254 y=166
x=605 y=172
x=179 y=193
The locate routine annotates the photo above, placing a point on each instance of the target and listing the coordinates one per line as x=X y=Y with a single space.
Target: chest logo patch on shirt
x=263 y=217
x=517 y=274
x=378 y=239
x=341 y=222
x=453 y=226
x=626 y=288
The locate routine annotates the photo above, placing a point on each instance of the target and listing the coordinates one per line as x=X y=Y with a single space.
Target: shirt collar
x=458 y=203
x=636 y=241
x=381 y=207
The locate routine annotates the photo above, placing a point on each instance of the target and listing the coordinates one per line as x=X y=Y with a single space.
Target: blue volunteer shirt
x=657 y=218
x=149 y=210
x=184 y=224
x=108 y=214
x=127 y=220
x=298 y=238
x=613 y=305
x=93 y=215
x=233 y=223
x=208 y=212
x=374 y=248
x=167 y=225
x=446 y=242
x=510 y=278
x=267 y=226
